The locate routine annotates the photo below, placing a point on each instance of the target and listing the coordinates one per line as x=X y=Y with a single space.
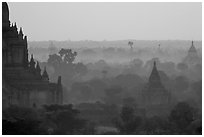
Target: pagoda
x=23 y=84
x=154 y=93
x=192 y=57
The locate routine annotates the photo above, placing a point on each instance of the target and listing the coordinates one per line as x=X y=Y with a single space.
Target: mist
x=101 y=68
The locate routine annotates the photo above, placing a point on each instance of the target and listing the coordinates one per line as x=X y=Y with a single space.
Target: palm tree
x=130 y=43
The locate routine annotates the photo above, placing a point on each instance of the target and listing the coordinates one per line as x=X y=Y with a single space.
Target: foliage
x=67 y=55
x=64 y=65
x=113 y=95
x=181 y=83
x=64 y=56
x=181 y=117
x=14 y=113
x=182 y=66
x=155 y=126
x=21 y=127
x=66 y=119
x=128 y=122
x=54 y=60
x=21 y=121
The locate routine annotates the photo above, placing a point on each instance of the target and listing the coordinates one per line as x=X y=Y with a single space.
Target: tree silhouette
x=181 y=116
x=21 y=121
x=181 y=83
x=130 y=43
x=128 y=122
x=67 y=55
x=65 y=118
x=54 y=59
x=81 y=69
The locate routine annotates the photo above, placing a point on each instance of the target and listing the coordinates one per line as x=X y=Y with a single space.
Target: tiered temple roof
x=23 y=81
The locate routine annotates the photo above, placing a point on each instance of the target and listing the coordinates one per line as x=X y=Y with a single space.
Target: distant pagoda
x=192 y=57
x=154 y=92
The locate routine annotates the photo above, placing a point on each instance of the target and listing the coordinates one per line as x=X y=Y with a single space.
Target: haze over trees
x=102 y=82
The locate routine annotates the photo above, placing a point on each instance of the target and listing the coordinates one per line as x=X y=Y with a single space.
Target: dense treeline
x=111 y=83
x=65 y=119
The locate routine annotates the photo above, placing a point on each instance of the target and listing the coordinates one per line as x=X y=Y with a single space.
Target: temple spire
x=15 y=25
x=38 y=70
x=192 y=48
x=25 y=38
x=25 y=41
x=45 y=75
x=32 y=62
x=15 y=30
x=154 y=78
x=20 y=33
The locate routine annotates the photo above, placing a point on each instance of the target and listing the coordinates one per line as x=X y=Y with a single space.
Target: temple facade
x=23 y=82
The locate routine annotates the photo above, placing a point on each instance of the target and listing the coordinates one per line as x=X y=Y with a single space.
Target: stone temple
x=192 y=57
x=155 y=98
x=23 y=84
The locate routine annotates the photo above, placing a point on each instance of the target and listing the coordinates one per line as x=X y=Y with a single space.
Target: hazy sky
x=108 y=21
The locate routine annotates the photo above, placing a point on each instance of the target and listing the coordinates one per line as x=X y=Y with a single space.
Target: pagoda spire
x=20 y=33
x=38 y=70
x=15 y=25
x=45 y=75
x=154 y=78
x=32 y=62
x=25 y=38
x=15 y=30
x=192 y=48
x=26 y=52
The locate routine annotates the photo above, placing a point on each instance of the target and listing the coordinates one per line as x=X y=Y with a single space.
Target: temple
x=23 y=84
x=155 y=98
x=192 y=57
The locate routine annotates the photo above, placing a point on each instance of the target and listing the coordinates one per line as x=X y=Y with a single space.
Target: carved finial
x=32 y=59
x=32 y=63
x=20 y=32
x=25 y=38
x=45 y=75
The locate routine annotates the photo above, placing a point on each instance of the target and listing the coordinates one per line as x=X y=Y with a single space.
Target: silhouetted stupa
x=154 y=92
x=192 y=58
